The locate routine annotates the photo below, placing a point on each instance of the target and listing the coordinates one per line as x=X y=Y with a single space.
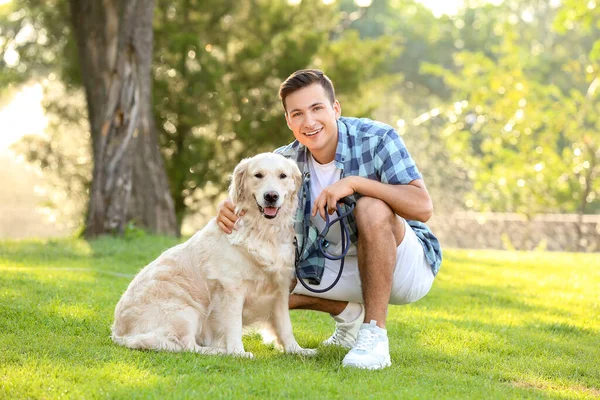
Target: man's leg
x=302 y=302
x=348 y=316
x=379 y=233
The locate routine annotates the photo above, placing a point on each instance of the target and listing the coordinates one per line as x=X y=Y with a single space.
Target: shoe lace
x=366 y=340
x=338 y=335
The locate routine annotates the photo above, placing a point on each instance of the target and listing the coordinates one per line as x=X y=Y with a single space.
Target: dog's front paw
x=307 y=352
x=303 y=352
x=242 y=354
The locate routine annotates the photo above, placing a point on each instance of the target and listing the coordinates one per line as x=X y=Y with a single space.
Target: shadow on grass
x=497 y=331
x=533 y=356
x=128 y=254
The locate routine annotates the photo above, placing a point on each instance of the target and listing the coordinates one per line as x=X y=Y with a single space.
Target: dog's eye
x=258 y=175
x=282 y=176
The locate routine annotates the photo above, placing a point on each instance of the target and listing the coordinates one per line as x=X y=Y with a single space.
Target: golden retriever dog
x=200 y=295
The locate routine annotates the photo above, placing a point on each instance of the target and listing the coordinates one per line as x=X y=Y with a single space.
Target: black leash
x=344 y=237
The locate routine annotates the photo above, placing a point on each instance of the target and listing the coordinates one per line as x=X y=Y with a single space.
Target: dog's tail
x=154 y=341
x=148 y=341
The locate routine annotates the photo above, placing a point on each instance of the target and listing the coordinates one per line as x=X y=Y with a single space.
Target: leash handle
x=345 y=238
x=344 y=233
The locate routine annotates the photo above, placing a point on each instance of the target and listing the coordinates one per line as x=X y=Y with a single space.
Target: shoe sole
x=383 y=365
x=336 y=345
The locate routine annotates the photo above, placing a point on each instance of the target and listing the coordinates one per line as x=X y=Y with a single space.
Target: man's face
x=313 y=120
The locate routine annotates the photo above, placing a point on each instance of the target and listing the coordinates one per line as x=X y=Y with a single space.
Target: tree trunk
x=114 y=40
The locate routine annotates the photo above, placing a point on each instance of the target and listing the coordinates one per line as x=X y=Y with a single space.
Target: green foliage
x=34 y=37
x=531 y=144
x=216 y=82
x=498 y=105
x=356 y=68
x=63 y=156
x=491 y=327
x=578 y=15
x=132 y=231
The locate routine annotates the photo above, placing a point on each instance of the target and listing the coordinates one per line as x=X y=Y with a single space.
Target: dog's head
x=266 y=184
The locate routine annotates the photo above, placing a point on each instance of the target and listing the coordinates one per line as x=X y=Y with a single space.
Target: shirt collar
x=342 y=152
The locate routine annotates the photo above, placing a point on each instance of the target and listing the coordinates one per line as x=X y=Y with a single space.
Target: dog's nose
x=271 y=197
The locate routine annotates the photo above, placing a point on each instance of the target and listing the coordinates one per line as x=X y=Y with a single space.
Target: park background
x=120 y=122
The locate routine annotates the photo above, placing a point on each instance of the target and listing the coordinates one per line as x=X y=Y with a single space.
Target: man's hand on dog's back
x=226 y=217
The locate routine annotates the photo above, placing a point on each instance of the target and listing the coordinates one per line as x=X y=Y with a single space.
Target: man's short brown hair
x=303 y=78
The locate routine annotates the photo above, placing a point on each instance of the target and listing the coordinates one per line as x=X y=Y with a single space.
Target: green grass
x=495 y=325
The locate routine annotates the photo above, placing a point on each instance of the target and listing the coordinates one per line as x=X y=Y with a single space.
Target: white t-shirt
x=321 y=176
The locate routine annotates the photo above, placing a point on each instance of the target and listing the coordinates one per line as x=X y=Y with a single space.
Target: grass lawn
x=495 y=325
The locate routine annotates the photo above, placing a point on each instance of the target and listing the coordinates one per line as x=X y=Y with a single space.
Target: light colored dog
x=198 y=296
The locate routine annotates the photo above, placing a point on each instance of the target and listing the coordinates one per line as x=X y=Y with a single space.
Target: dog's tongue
x=270 y=211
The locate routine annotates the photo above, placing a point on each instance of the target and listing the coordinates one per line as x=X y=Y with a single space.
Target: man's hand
x=329 y=197
x=226 y=217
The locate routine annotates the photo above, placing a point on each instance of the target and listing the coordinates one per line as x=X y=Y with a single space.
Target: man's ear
x=236 y=188
x=287 y=120
x=337 y=108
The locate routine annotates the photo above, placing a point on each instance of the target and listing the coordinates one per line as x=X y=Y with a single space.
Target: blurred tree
x=216 y=81
x=416 y=38
x=63 y=156
x=114 y=43
x=33 y=41
x=36 y=45
x=526 y=116
x=480 y=66
x=498 y=104
x=114 y=40
x=582 y=16
x=216 y=84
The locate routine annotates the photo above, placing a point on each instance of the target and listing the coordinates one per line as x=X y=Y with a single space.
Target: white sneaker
x=372 y=349
x=345 y=333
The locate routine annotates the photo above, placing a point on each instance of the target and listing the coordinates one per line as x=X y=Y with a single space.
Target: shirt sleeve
x=393 y=162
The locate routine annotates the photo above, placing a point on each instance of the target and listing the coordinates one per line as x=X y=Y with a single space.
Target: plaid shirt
x=365 y=148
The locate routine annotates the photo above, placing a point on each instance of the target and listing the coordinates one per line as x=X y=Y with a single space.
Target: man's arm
x=410 y=201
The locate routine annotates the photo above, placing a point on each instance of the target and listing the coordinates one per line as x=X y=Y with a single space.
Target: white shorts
x=413 y=276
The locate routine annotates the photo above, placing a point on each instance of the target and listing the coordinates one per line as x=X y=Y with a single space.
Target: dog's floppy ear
x=236 y=188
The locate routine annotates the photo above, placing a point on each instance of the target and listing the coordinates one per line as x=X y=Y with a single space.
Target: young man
x=394 y=256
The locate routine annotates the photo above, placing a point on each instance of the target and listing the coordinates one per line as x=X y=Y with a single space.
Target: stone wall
x=555 y=232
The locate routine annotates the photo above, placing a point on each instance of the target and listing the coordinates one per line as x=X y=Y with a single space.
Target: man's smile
x=312 y=133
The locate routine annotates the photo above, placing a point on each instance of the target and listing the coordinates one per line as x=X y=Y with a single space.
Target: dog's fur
x=199 y=295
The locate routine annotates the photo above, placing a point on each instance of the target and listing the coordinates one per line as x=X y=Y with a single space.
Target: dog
x=200 y=295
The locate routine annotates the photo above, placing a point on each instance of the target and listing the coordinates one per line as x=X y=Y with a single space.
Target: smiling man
x=394 y=257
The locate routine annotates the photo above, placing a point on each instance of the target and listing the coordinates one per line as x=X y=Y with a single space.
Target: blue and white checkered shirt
x=369 y=149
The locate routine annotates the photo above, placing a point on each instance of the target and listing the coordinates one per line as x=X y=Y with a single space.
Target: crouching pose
x=394 y=256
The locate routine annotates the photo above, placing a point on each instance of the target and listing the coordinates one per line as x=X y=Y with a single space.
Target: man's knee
x=374 y=216
x=371 y=212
